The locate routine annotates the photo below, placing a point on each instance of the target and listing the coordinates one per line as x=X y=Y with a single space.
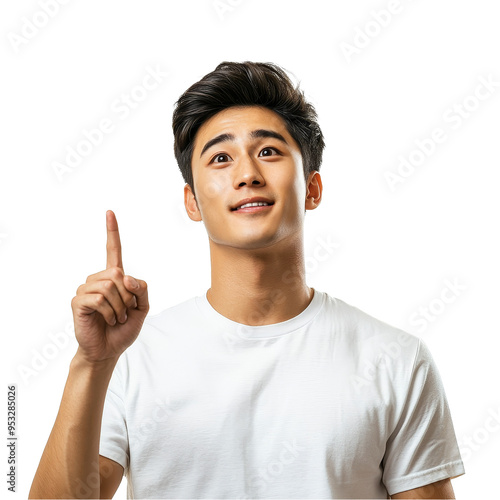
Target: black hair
x=246 y=84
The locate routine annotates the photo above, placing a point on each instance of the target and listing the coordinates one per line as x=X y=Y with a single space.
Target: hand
x=108 y=310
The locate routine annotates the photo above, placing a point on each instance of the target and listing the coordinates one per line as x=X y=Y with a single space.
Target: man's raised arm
x=108 y=310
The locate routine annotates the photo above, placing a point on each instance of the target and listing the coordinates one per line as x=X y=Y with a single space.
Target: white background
x=395 y=248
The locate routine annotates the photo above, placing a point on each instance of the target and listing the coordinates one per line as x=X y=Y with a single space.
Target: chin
x=249 y=243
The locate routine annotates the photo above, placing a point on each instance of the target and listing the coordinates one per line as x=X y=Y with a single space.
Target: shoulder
x=367 y=332
x=374 y=353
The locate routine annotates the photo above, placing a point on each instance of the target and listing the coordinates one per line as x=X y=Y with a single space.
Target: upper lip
x=251 y=200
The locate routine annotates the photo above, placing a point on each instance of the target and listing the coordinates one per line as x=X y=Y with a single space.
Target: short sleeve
x=422 y=448
x=114 y=437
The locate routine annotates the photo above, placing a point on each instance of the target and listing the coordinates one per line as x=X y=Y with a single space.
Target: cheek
x=296 y=188
x=207 y=186
x=294 y=198
x=300 y=186
x=209 y=189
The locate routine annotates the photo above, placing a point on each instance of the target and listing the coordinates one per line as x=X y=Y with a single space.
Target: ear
x=191 y=204
x=314 y=188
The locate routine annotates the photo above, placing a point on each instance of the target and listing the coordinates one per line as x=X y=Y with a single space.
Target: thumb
x=140 y=289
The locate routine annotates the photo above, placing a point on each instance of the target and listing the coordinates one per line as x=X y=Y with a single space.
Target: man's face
x=241 y=153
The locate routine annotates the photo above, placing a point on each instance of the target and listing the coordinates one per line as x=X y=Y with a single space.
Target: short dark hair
x=246 y=84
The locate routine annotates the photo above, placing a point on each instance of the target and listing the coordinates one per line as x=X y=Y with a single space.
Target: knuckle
x=99 y=300
x=116 y=273
x=108 y=285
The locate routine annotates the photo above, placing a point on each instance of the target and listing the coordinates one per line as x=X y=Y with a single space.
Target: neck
x=259 y=287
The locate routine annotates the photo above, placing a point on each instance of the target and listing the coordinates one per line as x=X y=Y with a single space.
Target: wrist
x=80 y=361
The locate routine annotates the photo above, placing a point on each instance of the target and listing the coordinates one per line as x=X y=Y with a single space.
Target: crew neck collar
x=262 y=331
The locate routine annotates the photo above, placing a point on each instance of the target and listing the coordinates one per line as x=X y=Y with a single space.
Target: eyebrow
x=254 y=134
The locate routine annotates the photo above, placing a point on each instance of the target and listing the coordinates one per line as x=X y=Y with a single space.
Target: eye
x=220 y=158
x=268 y=152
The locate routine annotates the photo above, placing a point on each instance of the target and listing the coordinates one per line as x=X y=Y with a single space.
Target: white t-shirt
x=332 y=403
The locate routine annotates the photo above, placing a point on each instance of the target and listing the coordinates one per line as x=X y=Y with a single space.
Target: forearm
x=69 y=466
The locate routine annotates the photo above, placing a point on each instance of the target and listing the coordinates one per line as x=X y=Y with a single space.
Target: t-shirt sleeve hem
x=412 y=481
x=115 y=455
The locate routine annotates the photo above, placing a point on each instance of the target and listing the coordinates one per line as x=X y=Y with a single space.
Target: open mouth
x=253 y=207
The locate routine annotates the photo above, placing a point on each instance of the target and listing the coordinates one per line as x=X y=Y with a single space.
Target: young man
x=263 y=387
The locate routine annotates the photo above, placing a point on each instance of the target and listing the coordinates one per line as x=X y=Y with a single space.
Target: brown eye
x=221 y=158
x=269 y=152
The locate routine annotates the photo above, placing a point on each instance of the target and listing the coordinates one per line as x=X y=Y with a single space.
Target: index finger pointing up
x=113 y=245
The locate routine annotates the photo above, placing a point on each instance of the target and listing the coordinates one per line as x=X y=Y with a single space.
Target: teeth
x=255 y=204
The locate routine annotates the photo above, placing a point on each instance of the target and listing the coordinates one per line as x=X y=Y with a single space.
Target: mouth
x=256 y=207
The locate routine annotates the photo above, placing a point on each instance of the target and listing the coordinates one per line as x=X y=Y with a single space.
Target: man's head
x=243 y=135
x=246 y=84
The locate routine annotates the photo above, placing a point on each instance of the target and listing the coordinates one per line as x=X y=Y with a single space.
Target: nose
x=248 y=173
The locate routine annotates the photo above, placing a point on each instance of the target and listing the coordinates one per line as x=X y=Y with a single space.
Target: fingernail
x=134 y=282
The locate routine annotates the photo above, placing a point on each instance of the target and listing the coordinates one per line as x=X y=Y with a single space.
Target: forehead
x=240 y=120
